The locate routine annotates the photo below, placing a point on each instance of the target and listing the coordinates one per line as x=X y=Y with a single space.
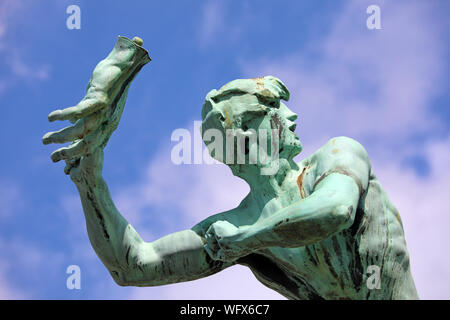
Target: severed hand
x=98 y=114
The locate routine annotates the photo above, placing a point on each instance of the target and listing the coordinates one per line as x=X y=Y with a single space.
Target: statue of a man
x=322 y=228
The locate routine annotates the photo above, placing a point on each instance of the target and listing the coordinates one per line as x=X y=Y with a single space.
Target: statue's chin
x=290 y=151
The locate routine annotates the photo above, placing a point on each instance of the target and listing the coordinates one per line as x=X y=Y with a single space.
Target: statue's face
x=279 y=118
x=290 y=144
x=248 y=115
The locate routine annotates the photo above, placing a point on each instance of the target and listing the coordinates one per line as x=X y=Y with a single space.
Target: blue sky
x=386 y=88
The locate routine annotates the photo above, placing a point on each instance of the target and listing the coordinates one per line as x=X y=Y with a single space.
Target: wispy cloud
x=11 y=198
x=7 y=291
x=376 y=85
x=215 y=25
x=25 y=267
x=212 y=21
x=7 y=9
x=422 y=202
x=10 y=48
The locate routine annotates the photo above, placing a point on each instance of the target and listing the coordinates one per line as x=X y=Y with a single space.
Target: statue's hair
x=220 y=115
x=269 y=90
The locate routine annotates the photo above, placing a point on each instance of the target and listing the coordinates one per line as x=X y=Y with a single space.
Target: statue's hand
x=89 y=133
x=98 y=114
x=224 y=241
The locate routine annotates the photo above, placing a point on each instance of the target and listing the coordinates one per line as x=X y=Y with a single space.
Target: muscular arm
x=328 y=210
x=130 y=260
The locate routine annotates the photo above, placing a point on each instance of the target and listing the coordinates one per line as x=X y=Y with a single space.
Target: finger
x=70 y=164
x=75 y=150
x=81 y=128
x=78 y=148
x=81 y=110
x=211 y=242
x=221 y=255
x=210 y=251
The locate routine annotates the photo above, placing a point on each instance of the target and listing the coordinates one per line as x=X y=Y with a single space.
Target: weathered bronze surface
x=322 y=228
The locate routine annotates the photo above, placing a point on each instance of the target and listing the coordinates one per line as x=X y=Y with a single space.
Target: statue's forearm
x=110 y=234
x=323 y=213
x=174 y=258
x=130 y=260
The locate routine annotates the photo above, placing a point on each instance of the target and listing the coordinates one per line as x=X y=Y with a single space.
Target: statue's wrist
x=247 y=241
x=86 y=175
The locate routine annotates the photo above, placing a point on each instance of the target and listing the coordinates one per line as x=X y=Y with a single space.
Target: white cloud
x=7 y=7
x=212 y=21
x=192 y=192
x=7 y=291
x=10 y=48
x=424 y=210
x=24 y=268
x=11 y=198
x=215 y=26
x=370 y=84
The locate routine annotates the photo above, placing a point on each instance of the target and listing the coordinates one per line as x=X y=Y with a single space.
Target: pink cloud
x=424 y=210
x=192 y=193
x=7 y=291
x=376 y=84
x=10 y=49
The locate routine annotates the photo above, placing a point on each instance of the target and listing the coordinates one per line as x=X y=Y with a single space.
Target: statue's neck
x=268 y=185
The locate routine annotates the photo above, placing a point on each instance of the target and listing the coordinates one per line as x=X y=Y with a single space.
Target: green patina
x=310 y=230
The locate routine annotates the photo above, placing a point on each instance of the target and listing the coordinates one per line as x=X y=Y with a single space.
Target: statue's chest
x=325 y=269
x=299 y=186
x=281 y=269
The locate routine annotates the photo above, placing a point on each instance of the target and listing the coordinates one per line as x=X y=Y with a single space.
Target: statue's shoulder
x=340 y=149
x=340 y=154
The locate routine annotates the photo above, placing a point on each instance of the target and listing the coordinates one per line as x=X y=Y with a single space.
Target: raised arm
x=131 y=261
x=329 y=209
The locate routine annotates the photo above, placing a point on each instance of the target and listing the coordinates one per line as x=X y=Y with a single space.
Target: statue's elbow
x=343 y=215
x=120 y=277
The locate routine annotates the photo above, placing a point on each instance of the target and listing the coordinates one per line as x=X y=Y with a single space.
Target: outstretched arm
x=130 y=260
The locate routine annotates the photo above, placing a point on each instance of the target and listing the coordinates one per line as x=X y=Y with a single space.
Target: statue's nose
x=292 y=116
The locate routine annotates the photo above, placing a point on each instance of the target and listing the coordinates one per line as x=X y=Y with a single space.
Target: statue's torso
x=339 y=267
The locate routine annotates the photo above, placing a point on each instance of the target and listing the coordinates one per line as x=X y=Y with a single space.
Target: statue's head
x=249 y=116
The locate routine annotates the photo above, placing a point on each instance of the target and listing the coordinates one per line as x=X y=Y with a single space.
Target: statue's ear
x=207 y=105
x=272 y=87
